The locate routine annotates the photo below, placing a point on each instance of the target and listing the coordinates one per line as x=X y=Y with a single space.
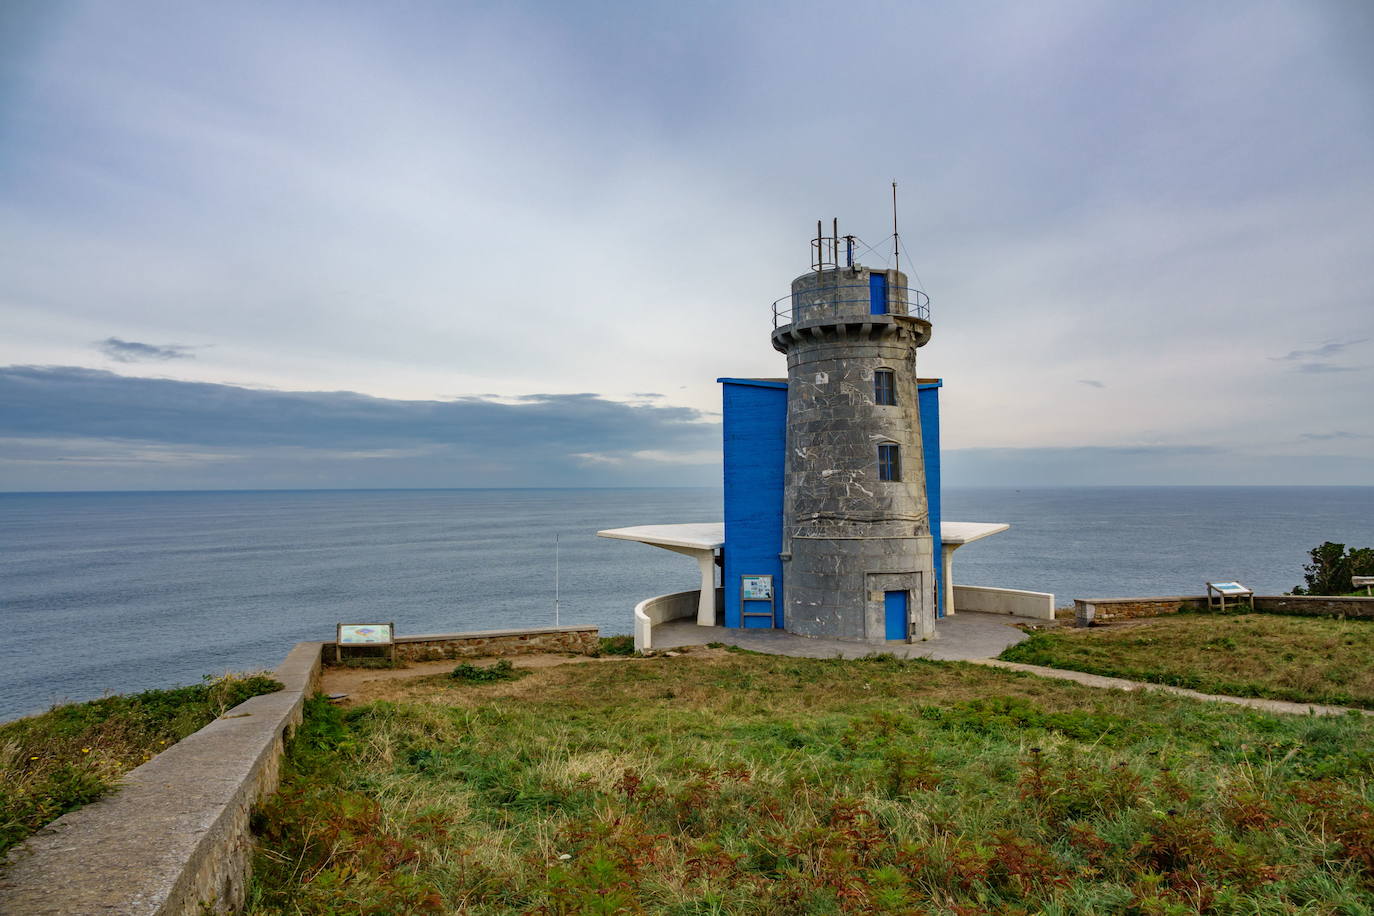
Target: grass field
x=1307 y=659
x=75 y=753
x=721 y=782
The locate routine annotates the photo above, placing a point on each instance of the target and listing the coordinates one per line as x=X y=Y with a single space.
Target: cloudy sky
x=514 y=244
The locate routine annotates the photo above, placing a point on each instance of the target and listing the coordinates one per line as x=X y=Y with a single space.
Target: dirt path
x=365 y=684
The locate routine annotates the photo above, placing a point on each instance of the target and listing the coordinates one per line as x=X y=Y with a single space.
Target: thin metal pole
x=896 y=253
x=557 y=621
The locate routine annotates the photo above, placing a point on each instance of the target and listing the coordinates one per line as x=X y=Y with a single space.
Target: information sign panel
x=364 y=634
x=1230 y=588
x=757 y=588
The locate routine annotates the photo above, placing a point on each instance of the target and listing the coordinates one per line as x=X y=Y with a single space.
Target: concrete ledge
x=174 y=839
x=651 y=612
x=580 y=639
x=984 y=600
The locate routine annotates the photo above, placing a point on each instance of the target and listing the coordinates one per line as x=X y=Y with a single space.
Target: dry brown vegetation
x=737 y=783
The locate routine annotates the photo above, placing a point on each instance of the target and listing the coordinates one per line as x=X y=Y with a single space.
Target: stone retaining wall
x=1316 y=606
x=1087 y=610
x=174 y=839
x=581 y=640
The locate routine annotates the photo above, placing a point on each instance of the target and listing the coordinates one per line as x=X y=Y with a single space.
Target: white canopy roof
x=710 y=535
x=695 y=536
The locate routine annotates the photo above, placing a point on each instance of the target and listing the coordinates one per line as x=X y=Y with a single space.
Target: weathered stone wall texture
x=581 y=640
x=1103 y=609
x=1316 y=606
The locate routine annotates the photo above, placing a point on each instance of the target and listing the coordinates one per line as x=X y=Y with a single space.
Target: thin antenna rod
x=896 y=253
x=556 y=617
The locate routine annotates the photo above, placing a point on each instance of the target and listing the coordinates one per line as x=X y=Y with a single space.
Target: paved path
x=966 y=637
x=962 y=637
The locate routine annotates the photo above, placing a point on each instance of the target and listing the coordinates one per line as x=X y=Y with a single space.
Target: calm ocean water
x=124 y=591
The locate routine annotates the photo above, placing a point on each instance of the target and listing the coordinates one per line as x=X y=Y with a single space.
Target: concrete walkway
x=963 y=637
x=966 y=637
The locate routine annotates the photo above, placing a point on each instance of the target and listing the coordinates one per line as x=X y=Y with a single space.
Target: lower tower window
x=889 y=462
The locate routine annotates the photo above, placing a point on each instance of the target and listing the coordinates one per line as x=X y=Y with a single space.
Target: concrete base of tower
x=868 y=589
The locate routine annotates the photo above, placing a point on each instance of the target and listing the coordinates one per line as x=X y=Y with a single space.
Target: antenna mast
x=896 y=253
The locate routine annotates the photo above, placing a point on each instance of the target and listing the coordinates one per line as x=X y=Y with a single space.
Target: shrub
x=1331 y=568
x=474 y=674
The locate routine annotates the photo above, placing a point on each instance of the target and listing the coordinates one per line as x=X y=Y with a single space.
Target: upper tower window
x=884 y=387
x=889 y=462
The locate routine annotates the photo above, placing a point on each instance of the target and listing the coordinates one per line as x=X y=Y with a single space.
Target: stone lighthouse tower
x=857 y=553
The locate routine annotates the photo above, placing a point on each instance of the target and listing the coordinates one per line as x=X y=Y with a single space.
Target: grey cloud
x=1311 y=361
x=537 y=439
x=132 y=351
x=1331 y=436
x=1091 y=383
x=1331 y=348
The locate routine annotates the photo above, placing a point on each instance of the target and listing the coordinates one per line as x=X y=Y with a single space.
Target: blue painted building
x=755 y=438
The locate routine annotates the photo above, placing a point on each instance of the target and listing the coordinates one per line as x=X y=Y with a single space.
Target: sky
x=261 y=245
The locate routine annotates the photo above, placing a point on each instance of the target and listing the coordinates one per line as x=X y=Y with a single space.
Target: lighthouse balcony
x=848 y=303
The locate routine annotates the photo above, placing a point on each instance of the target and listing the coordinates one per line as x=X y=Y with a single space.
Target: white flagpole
x=556 y=617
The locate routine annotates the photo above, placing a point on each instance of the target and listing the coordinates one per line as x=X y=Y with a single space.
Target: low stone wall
x=174 y=839
x=1316 y=605
x=1087 y=610
x=581 y=640
x=650 y=612
x=984 y=600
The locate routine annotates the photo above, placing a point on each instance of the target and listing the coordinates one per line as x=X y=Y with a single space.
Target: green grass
x=757 y=784
x=1304 y=659
x=71 y=755
x=486 y=674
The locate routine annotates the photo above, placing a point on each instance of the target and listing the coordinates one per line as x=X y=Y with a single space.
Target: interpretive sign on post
x=1218 y=592
x=365 y=634
x=757 y=588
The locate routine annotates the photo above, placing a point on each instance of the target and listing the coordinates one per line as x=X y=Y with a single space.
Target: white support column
x=948 y=559
x=706 y=605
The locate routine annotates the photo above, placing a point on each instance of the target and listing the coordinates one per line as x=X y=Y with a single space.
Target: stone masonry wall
x=1316 y=606
x=1103 y=609
x=580 y=640
x=1087 y=610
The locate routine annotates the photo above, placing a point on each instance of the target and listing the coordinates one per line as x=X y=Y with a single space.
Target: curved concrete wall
x=983 y=600
x=650 y=612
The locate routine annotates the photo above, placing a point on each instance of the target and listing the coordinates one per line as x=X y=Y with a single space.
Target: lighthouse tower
x=857 y=555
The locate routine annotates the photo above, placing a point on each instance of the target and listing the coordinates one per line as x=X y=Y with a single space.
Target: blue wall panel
x=755 y=431
x=929 y=394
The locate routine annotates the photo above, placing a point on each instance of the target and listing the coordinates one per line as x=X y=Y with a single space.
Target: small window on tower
x=884 y=387
x=889 y=462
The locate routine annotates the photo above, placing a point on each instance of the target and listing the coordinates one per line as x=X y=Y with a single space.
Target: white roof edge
x=967 y=532
x=710 y=535
x=693 y=535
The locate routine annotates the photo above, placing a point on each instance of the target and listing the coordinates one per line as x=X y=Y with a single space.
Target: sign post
x=365 y=634
x=1218 y=592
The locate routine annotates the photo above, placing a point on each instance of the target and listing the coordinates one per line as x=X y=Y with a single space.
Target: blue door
x=877 y=294
x=894 y=603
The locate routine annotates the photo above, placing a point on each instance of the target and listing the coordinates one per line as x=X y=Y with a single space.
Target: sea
x=119 y=592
